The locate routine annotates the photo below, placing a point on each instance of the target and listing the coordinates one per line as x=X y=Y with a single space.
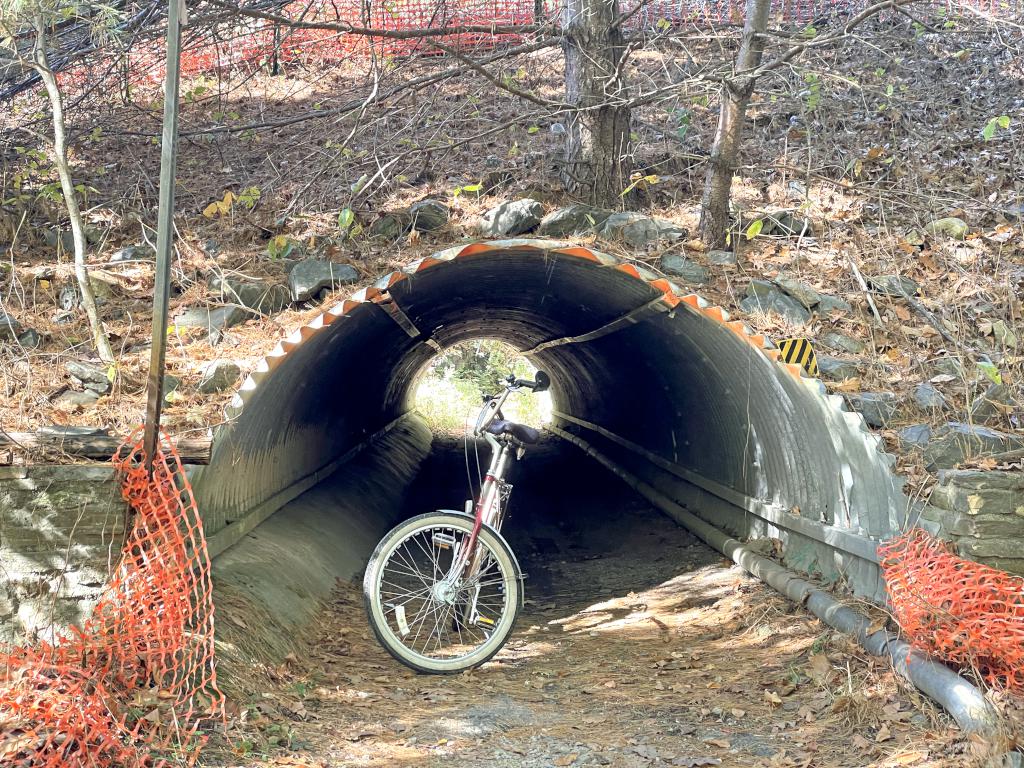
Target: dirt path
x=638 y=646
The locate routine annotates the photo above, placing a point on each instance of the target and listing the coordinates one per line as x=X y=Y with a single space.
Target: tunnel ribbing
x=629 y=353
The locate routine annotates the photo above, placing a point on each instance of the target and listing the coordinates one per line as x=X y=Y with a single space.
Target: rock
x=30 y=339
x=950 y=226
x=1002 y=333
x=766 y=297
x=391 y=226
x=915 y=436
x=573 y=220
x=67 y=298
x=89 y=376
x=949 y=366
x=211 y=247
x=260 y=296
x=844 y=343
x=429 y=215
x=828 y=303
x=837 y=369
x=799 y=291
x=212 y=319
x=928 y=398
x=877 y=408
x=71 y=398
x=761 y=289
x=810 y=298
x=785 y=224
x=914 y=237
x=722 y=258
x=954 y=442
x=638 y=230
x=688 y=271
x=893 y=285
x=53 y=237
x=104 y=285
x=511 y=218
x=309 y=277
x=9 y=328
x=997 y=400
x=132 y=253
x=218 y=376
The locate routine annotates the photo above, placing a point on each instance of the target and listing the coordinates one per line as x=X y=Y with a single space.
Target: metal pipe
x=962 y=700
x=176 y=18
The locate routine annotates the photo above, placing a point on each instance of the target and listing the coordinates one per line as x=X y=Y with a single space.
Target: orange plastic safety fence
x=132 y=686
x=956 y=609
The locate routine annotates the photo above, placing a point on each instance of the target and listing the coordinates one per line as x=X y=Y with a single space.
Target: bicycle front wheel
x=426 y=616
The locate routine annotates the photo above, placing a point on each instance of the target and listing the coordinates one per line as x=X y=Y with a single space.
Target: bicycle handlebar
x=539 y=384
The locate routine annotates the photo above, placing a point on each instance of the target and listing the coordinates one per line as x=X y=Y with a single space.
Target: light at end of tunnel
x=454 y=384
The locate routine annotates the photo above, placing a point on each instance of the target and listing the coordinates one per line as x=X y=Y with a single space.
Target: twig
x=864 y=288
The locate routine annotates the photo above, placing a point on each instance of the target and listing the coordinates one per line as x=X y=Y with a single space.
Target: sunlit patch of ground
x=704 y=666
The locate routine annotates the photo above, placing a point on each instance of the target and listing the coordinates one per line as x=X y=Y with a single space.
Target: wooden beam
x=97 y=447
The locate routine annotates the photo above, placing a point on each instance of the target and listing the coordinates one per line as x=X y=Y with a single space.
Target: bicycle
x=443 y=590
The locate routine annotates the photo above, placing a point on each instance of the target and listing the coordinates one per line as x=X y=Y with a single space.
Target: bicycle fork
x=466 y=555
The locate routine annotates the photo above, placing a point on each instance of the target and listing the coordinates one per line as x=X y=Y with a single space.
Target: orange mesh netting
x=956 y=609
x=131 y=687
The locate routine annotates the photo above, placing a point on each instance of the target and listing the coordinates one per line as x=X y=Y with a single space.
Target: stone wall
x=61 y=529
x=983 y=512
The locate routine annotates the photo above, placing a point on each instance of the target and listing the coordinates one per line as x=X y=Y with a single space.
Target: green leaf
x=472 y=187
x=1003 y=121
x=989 y=130
x=755 y=229
x=533 y=129
x=360 y=184
x=346 y=219
x=990 y=371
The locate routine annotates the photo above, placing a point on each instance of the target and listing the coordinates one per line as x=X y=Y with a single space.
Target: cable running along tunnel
x=654 y=380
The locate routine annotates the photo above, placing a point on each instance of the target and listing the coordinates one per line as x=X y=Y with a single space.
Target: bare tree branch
x=391 y=34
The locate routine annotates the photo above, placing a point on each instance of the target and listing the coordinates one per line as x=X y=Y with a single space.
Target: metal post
x=176 y=18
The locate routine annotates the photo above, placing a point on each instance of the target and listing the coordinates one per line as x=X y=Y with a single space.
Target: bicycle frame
x=494 y=492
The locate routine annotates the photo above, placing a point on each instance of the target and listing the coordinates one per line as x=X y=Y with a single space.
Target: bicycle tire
x=377 y=608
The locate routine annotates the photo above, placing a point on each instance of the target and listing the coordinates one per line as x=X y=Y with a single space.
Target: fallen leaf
x=566 y=759
x=908 y=758
x=721 y=743
x=820 y=668
x=884 y=734
x=738 y=713
x=847 y=385
x=772 y=698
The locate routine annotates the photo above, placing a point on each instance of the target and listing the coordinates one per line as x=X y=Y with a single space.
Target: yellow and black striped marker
x=801 y=352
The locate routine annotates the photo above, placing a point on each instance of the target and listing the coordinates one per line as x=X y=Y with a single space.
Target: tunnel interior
x=665 y=385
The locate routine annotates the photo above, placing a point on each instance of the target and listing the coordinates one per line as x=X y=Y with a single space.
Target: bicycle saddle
x=520 y=432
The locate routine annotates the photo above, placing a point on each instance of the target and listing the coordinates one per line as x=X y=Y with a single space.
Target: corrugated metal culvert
x=668 y=385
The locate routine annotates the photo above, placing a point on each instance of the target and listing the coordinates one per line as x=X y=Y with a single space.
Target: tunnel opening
x=654 y=382
x=450 y=388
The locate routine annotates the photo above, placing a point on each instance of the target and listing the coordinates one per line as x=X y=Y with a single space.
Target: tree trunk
x=597 y=159
x=725 y=152
x=97 y=447
x=60 y=158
